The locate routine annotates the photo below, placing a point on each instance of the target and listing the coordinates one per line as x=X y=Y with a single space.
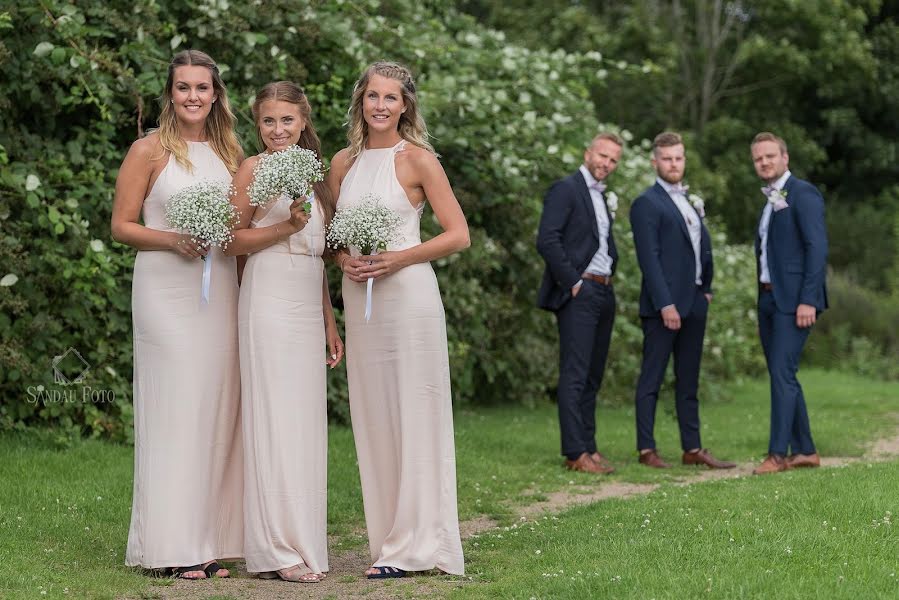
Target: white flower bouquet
x=368 y=226
x=291 y=171
x=203 y=211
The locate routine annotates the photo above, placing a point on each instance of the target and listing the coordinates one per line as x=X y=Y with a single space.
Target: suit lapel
x=587 y=201
x=788 y=185
x=669 y=205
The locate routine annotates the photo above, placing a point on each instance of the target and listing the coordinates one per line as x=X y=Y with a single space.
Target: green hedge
x=78 y=79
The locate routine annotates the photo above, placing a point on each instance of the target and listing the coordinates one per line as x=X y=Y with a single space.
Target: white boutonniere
x=698 y=204
x=778 y=199
x=612 y=202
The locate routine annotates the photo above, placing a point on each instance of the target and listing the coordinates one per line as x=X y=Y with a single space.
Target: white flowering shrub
x=506 y=120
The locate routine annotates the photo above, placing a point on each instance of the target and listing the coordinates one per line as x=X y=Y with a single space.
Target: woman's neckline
x=387 y=147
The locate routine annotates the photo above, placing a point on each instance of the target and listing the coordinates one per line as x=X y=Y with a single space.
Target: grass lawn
x=64 y=513
x=830 y=534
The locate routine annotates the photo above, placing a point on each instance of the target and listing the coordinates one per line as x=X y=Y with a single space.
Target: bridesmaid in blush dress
x=397 y=362
x=285 y=321
x=188 y=470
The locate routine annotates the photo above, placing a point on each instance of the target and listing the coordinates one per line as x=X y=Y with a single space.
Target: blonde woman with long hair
x=398 y=362
x=188 y=468
x=285 y=324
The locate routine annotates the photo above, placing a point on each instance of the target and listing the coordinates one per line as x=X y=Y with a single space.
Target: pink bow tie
x=680 y=188
x=599 y=186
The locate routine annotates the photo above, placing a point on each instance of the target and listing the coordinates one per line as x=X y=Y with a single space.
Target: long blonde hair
x=290 y=92
x=219 y=124
x=411 y=127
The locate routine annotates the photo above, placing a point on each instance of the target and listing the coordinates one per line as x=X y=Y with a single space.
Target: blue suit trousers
x=782 y=342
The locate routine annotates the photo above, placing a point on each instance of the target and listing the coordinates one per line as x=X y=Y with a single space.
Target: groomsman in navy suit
x=674 y=252
x=576 y=242
x=791 y=253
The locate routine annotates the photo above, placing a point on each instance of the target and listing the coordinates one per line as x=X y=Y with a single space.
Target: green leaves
x=507 y=121
x=43 y=49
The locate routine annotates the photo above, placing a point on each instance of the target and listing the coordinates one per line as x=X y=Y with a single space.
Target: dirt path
x=346 y=580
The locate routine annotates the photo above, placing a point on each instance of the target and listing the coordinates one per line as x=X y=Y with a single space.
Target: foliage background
x=510 y=111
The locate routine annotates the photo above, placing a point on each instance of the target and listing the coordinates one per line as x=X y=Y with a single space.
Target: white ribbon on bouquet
x=368 y=288
x=207 y=277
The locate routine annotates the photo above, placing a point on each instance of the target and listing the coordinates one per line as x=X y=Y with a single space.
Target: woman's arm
x=423 y=170
x=340 y=164
x=130 y=192
x=335 y=344
x=247 y=240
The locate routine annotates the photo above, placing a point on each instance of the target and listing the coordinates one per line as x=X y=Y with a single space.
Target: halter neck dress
x=283 y=399
x=187 y=505
x=399 y=387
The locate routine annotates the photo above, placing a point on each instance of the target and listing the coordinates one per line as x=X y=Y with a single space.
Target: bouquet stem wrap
x=369 y=286
x=207 y=278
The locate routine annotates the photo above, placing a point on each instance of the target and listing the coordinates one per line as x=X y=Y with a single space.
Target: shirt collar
x=668 y=187
x=782 y=180
x=588 y=177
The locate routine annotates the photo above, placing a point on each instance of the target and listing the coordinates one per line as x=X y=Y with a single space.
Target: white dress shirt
x=764 y=272
x=691 y=218
x=601 y=263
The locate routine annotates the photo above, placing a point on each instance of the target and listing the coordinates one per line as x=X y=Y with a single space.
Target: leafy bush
x=859 y=332
x=80 y=82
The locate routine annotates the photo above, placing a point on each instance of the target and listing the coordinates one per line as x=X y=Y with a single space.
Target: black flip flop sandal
x=178 y=572
x=213 y=568
x=386 y=573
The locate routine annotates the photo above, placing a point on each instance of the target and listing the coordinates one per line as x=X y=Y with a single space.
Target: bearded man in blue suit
x=578 y=245
x=791 y=253
x=674 y=252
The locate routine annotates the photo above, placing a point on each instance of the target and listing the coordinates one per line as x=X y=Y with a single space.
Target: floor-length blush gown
x=400 y=401
x=188 y=469
x=284 y=405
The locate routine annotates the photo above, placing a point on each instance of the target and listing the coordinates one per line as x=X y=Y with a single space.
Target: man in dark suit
x=791 y=253
x=675 y=256
x=575 y=239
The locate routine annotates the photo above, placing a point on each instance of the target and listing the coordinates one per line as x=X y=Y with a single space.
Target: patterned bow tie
x=769 y=189
x=599 y=186
x=679 y=188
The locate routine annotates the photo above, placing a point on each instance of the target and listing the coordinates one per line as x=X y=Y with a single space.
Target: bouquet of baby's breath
x=203 y=211
x=368 y=226
x=291 y=171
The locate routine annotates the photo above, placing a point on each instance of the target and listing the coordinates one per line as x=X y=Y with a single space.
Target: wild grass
x=64 y=510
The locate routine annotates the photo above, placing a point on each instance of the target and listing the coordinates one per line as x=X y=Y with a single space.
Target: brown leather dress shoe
x=585 y=464
x=652 y=459
x=599 y=458
x=798 y=461
x=774 y=463
x=704 y=457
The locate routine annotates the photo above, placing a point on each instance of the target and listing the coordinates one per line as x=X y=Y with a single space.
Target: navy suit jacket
x=665 y=254
x=568 y=239
x=797 y=249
